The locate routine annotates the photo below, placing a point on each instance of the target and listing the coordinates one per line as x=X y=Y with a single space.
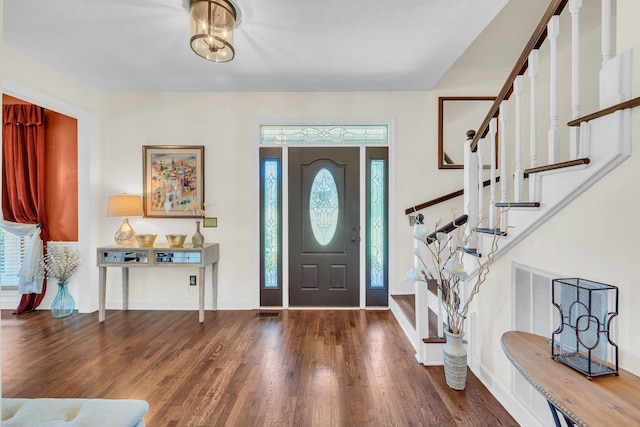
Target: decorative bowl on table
x=176 y=240
x=146 y=240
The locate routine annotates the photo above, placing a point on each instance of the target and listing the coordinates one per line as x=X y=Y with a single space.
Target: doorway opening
x=324 y=216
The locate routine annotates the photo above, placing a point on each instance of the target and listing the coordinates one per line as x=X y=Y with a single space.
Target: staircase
x=515 y=200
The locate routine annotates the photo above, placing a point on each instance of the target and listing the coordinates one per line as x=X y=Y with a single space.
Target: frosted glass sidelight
x=377 y=208
x=271 y=224
x=323 y=206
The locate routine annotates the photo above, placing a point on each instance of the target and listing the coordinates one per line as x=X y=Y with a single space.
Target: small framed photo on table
x=173 y=180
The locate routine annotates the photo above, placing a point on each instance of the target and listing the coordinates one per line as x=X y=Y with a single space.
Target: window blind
x=12 y=251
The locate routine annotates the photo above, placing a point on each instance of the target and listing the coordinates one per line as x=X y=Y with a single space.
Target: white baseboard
x=9 y=299
x=179 y=305
x=506 y=398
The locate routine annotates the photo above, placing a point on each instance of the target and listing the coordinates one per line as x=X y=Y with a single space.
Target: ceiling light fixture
x=212 y=25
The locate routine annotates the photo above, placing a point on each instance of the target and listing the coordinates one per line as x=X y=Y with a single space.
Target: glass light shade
x=212 y=24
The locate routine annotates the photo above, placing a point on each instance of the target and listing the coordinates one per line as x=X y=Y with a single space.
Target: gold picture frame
x=173 y=180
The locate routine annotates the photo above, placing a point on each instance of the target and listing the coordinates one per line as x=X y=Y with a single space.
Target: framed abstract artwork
x=173 y=180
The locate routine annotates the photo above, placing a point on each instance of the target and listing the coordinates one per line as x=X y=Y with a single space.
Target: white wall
x=27 y=79
x=225 y=124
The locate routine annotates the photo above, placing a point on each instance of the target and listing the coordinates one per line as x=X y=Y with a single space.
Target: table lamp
x=124 y=206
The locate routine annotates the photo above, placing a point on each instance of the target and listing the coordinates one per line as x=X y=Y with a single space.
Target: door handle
x=355 y=239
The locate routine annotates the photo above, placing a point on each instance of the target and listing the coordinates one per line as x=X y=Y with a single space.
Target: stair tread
x=434 y=340
x=491 y=231
x=517 y=204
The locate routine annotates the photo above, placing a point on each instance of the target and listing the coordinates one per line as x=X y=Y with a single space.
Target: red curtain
x=23 y=176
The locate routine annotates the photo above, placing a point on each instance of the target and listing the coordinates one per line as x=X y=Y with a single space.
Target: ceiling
x=281 y=45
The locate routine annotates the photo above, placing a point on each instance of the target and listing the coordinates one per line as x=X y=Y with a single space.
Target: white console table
x=159 y=256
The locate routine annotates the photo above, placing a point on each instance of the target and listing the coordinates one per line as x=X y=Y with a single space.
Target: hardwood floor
x=301 y=368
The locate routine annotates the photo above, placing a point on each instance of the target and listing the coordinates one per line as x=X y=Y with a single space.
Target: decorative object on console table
x=176 y=240
x=173 y=179
x=198 y=237
x=124 y=206
x=60 y=263
x=146 y=240
x=444 y=247
x=583 y=339
x=196 y=212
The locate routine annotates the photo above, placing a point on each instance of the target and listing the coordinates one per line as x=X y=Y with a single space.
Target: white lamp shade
x=124 y=206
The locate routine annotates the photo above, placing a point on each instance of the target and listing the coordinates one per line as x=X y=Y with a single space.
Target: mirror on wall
x=457 y=115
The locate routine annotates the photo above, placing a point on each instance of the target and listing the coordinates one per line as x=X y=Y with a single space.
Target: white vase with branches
x=441 y=261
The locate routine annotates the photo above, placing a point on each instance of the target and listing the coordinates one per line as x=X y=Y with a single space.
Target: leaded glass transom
x=323 y=206
x=324 y=134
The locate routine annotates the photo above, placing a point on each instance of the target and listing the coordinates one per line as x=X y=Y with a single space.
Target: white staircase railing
x=508 y=121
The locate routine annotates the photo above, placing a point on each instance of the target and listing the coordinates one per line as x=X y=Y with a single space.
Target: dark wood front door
x=324 y=229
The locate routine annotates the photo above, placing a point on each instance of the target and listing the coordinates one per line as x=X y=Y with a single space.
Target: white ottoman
x=73 y=412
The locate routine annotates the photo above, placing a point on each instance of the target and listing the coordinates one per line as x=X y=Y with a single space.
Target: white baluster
x=518 y=186
x=574 y=132
x=533 y=129
x=421 y=295
x=504 y=174
x=470 y=191
x=553 y=30
x=480 y=155
x=493 y=211
x=606 y=32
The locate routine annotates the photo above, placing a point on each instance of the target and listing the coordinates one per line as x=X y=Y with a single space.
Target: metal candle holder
x=583 y=339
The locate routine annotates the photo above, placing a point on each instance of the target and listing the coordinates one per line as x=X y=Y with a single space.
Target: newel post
x=471 y=189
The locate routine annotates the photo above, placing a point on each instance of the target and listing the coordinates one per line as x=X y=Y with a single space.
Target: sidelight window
x=377 y=203
x=270 y=226
x=377 y=224
x=271 y=223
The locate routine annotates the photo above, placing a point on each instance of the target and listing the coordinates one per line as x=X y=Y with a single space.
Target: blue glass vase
x=63 y=304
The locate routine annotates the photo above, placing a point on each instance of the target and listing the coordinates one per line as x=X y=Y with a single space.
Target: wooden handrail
x=448 y=228
x=537 y=38
x=554 y=166
x=535 y=41
x=441 y=199
x=635 y=102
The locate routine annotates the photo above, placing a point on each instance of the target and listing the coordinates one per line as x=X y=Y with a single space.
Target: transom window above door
x=324 y=134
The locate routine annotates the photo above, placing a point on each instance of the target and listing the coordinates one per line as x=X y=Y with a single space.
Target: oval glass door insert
x=323 y=206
